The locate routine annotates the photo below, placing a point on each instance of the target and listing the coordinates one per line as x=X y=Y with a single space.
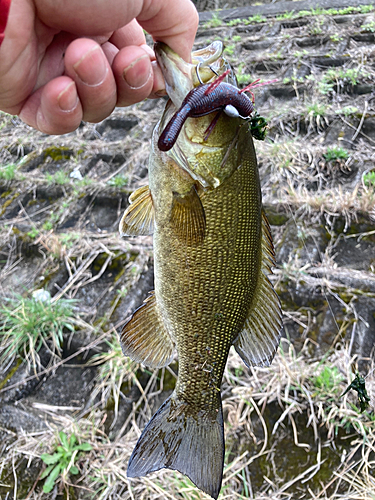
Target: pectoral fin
x=145 y=339
x=138 y=218
x=260 y=337
x=188 y=218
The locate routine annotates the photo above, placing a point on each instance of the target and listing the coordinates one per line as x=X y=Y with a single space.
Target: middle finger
x=87 y=65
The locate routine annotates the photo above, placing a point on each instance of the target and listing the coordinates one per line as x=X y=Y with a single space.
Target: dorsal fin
x=260 y=337
x=138 y=218
x=188 y=218
x=145 y=339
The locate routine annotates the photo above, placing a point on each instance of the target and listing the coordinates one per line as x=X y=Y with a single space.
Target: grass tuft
x=60 y=178
x=118 y=181
x=336 y=153
x=8 y=172
x=369 y=179
x=63 y=459
x=26 y=324
x=115 y=369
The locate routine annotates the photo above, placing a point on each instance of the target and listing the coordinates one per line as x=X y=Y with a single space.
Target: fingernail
x=68 y=98
x=92 y=67
x=138 y=72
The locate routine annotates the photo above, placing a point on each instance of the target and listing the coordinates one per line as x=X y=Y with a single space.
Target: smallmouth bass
x=212 y=253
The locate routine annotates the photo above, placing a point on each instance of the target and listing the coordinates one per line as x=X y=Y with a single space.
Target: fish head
x=208 y=158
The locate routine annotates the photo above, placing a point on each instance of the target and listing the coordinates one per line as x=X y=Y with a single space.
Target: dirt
x=60 y=211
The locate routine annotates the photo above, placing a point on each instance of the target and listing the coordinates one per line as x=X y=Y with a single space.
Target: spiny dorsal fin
x=260 y=337
x=138 y=218
x=188 y=217
x=145 y=339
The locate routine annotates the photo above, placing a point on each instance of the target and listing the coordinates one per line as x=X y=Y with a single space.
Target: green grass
x=8 y=172
x=115 y=369
x=62 y=460
x=347 y=110
x=229 y=49
x=68 y=239
x=33 y=233
x=336 y=153
x=292 y=79
x=340 y=76
x=118 y=181
x=316 y=109
x=255 y=19
x=86 y=181
x=299 y=54
x=316 y=28
x=369 y=179
x=335 y=37
x=369 y=27
x=26 y=324
x=47 y=226
x=287 y=15
x=235 y=22
x=214 y=22
x=363 y=9
x=58 y=178
x=250 y=20
x=328 y=379
x=242 y=77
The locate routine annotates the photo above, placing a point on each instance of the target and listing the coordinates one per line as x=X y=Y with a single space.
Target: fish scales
x=205 y=291
x=212 y=253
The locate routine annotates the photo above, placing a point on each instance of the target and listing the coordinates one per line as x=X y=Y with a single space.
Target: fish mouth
x=190 y=148
x=181 y=77
x=177 y=73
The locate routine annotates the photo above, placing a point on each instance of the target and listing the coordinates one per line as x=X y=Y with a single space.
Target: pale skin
x=63 y=61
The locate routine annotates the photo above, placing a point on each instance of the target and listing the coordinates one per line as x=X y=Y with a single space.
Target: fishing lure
x=204 y=99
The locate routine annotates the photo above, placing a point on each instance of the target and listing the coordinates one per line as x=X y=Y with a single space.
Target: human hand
x=63 y=62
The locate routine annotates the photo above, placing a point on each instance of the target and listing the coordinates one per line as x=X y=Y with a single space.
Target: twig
x=361 y=122
x=90 y=259
x=34 y=485
x=352 y=126
x=255 y=406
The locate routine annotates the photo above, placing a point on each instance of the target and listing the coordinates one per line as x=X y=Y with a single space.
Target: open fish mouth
x=181 y=76
x=191 y=151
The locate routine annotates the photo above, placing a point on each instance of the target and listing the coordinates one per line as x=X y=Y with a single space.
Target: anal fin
x=188 y=218
x=144 y=337
x=138 y=218
x=258 y=341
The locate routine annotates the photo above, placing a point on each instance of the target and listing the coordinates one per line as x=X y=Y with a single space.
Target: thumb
x=173 y=22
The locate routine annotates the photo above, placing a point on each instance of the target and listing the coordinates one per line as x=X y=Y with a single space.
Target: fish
x=213 y=253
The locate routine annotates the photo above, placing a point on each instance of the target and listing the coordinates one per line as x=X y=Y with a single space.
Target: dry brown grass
x=290 y=387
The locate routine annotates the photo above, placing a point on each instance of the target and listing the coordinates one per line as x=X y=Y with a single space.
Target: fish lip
x=181 y=76
x=177 y=73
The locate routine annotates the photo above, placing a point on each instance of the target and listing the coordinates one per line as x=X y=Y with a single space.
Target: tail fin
x=176 y=439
